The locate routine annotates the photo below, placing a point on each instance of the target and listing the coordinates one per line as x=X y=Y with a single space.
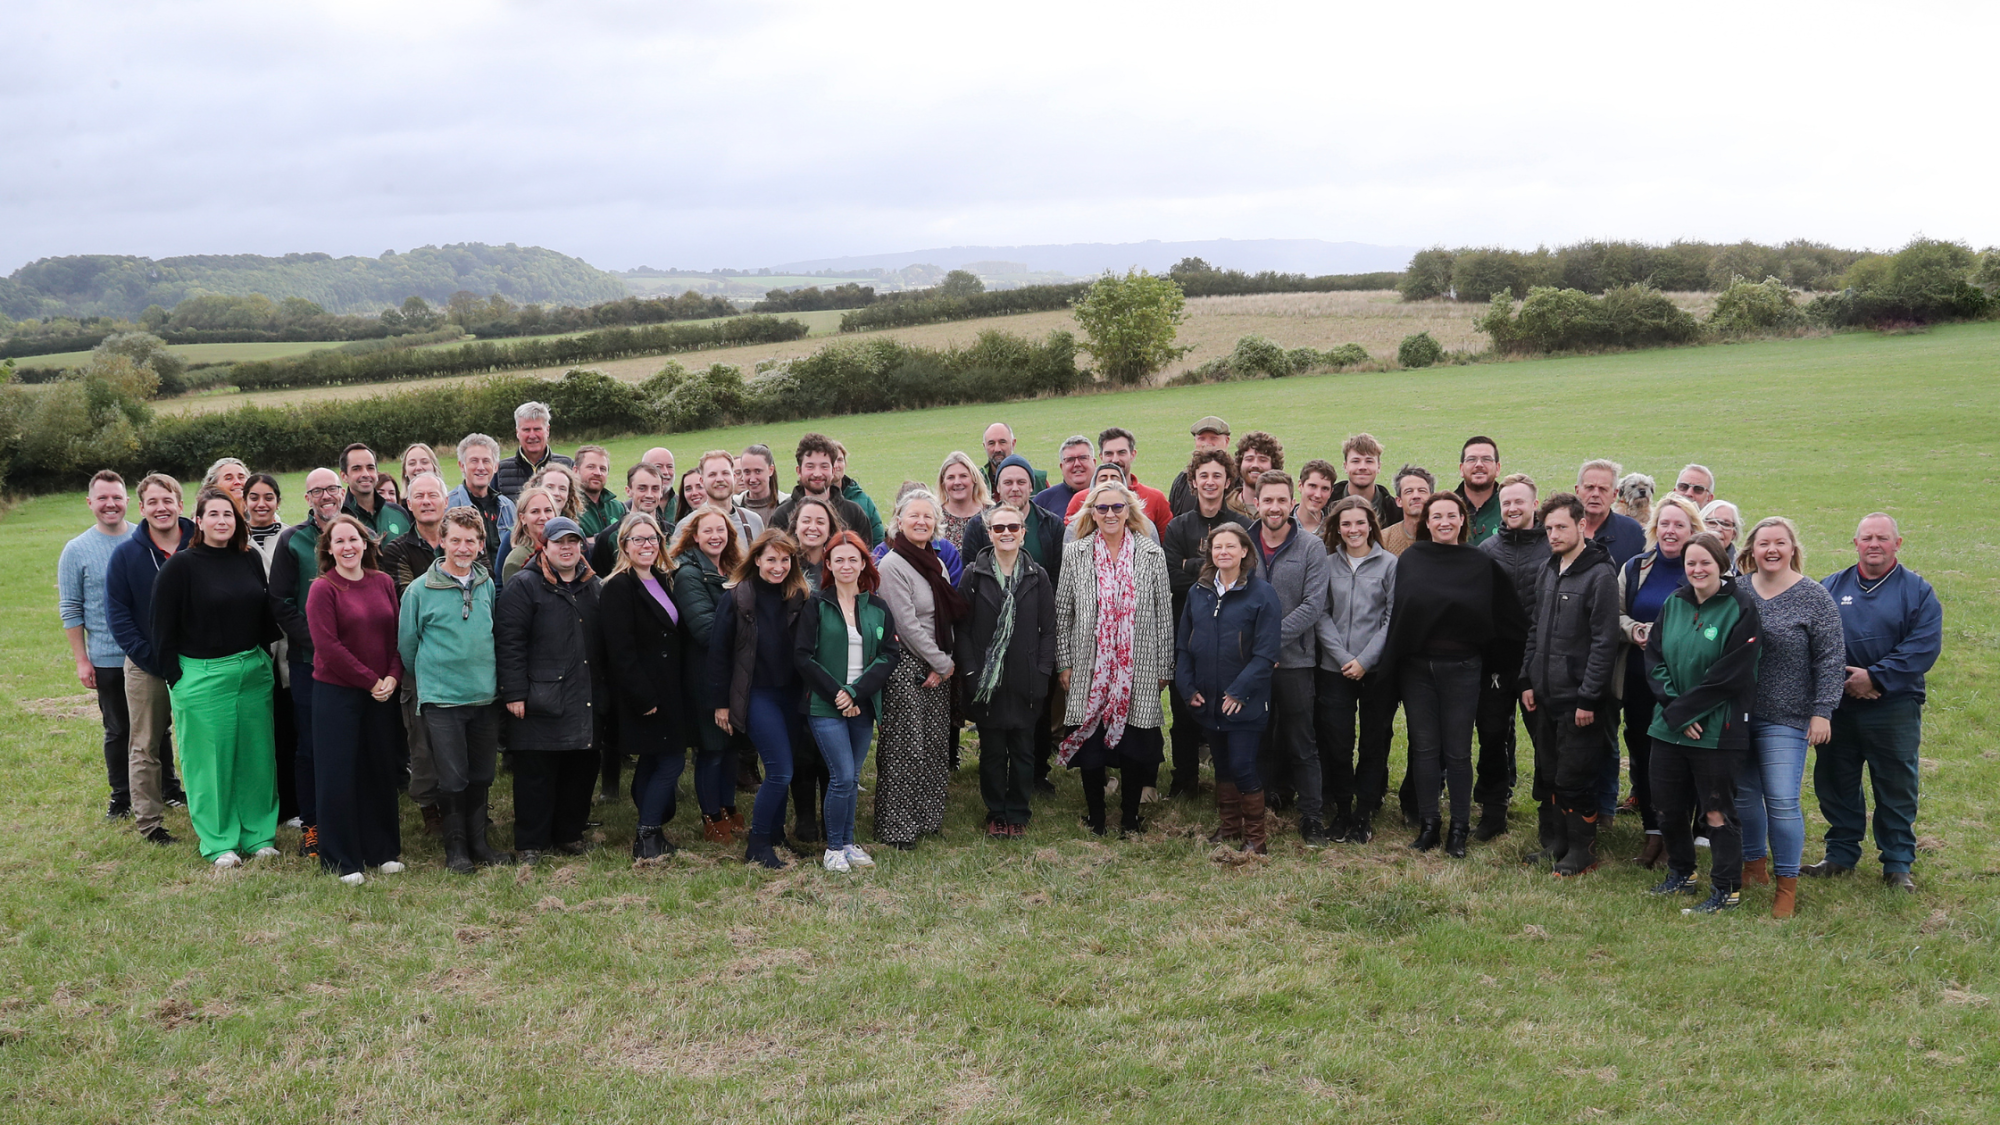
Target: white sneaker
x=392 y=867
x=267 y=853
x=295 y=822
x=1701 y=841
x=352 y=880
x=228 y=859
x=856 y=857
x=834 y=860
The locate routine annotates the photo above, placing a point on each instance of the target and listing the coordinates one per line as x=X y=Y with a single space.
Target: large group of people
x=411 y=636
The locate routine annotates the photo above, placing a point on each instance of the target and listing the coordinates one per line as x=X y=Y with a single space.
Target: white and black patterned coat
x=1152 y=628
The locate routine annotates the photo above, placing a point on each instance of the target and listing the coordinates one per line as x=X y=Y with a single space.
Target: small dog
x=1635 y=498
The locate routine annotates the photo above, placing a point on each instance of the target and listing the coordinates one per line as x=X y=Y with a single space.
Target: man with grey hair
x=478 y=462
x=1596 y=486
x=531 y=430
x=1076 y=458
x=1893 y=629
x=999 y=442
x=1697 y=483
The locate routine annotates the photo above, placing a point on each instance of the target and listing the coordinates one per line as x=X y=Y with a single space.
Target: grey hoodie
x=1356 y=623
x=1297 y=572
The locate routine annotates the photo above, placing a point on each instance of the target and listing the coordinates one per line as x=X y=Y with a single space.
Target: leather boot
x=758 y=850
x=1551 y=829
x=1757 y=871
x=433 y=818
x=1252 y=805
x=1427 y=836
x=737 y=827
x=1362 y=829
x=1229 y=803
x=647 y=844
x=1787 y=897
x=1492 y=822
x=1454 y=840
x=1654 y=851
x=451 y=825
x=715 y=829
x=478 y=846
x=1581 y=856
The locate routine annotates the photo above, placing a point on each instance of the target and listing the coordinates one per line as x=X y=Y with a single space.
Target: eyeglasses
x=324 y=490
x=1720 y=525
x=1079 y=459
x=642 y=541
x=1005 y=528
x=1686 y=489
x=1108 y=509
x=1482 y=459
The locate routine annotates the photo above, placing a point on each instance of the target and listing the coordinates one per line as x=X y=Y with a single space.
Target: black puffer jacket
x=1572 y=650
x=548 y=652
x=1184 y=540
x=1031 y=652
x=642 y=651
x=1523 y=553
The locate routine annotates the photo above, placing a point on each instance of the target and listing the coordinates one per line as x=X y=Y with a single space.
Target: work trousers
x=1687 y=781
x=464 y=744
x=1884 y=737
x=150 y=763
x=1568 y=758
x=1006 y=772
x=552 y=796
x=117 y=717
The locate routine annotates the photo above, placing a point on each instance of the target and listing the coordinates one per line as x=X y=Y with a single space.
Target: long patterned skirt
x=913 y=761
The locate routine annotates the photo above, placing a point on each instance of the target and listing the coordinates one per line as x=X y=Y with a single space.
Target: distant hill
x=1087 y=259
x=122 y=285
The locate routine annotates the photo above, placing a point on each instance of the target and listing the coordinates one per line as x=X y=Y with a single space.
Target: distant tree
x=1429 y=274
x=1130 y=323
x=418 y=314
x=465 y=307
x=147 y=353
x=959 y=283
x=153 y=319
x=1189 y=266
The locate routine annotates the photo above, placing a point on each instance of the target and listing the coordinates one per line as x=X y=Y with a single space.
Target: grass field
x=1067 y=979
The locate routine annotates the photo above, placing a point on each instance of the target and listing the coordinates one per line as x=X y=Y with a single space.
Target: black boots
x=1492 y=822
x=1427 y=836
x=1581 y=858
x=1454 y=841
x=1361 y=829
x=760 y=851
x=651 y=843
x=1552 y=833
x=472 y=808
x=451 y=825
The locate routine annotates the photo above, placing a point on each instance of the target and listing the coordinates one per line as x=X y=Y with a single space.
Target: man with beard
x=1478 y=469
x=815 y=457
x=1294 y=563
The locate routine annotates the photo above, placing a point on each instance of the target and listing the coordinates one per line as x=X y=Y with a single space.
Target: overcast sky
x=706 y=134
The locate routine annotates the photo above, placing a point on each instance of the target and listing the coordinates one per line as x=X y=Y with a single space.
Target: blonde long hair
x=980 y=495
x=1673 y=500
x=633 y=520
x=1085 y=522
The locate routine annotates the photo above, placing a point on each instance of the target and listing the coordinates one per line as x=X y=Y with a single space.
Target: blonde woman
x=1645 y=583
x=642 y=645
x=963 y=489
x=417 y=460
x=1799 y=681
x=534 y=508
x=563 y=486
x=913 y=762
x=1114 y=650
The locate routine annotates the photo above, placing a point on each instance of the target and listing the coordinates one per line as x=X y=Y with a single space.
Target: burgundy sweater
x=354 y=630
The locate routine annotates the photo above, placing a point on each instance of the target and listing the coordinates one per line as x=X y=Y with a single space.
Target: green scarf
x=1003 y=634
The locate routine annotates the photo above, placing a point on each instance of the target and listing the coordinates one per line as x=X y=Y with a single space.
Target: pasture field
x=1064 y=978
x=194 y=353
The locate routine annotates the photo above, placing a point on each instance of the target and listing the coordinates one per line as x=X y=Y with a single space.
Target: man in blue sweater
x=100 y=663
x=128 y=610
x=1894 y=629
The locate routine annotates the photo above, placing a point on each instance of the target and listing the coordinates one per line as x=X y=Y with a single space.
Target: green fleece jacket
x=1702 y=663
x=446 y=637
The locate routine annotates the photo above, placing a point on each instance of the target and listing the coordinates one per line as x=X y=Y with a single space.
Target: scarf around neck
x=951 y=606
x=1109 y=701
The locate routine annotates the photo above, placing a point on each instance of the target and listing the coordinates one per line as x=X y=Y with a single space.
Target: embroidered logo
x=1710 y=632
x=1847 y=599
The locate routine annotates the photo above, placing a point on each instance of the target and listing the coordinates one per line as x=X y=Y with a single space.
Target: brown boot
x=1786 y=898
x=1654 y=851
x=433 y=820
x=1757 y=871
x=715 y=829
x=1253 y=823
x=737 y=828
x=1229 y=803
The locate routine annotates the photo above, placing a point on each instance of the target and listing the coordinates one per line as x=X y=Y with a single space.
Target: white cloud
x=743 y=134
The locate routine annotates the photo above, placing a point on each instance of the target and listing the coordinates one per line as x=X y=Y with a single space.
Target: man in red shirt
x=1117 y=446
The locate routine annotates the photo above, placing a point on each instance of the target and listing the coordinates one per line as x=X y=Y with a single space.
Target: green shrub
x=1254 y=356
x=1429 y=275
x=1131 y=322
x=1925 y=282
x=1420 y=350
x=1346 y=355
x=1759 y=306
x=1554 y=320
x=932 y=306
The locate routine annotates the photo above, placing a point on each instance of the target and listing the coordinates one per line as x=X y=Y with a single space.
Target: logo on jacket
x=1710 y=632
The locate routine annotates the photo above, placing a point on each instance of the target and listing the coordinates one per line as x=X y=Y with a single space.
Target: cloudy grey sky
x=703 y=134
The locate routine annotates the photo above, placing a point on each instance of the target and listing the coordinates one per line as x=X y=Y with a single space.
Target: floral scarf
x=1110 y=698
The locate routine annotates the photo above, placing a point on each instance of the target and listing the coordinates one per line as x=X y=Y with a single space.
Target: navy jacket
x=1621 y=537
x=1894 y=628
x=128 y=593
x=1228 y=644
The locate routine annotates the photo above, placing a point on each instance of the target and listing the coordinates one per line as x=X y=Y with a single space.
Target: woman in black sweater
x=752 y=679
x=211 y=622
x=1453 y=606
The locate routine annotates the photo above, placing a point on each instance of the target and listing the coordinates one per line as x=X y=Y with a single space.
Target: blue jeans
x=714 y=769
x=1236 y=753
x=654 y=782
x=843 y=743
x=1883 y=736
x=771 y=734
x=1767 y=796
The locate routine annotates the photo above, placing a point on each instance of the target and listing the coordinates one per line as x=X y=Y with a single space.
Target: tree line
x=1476 y=273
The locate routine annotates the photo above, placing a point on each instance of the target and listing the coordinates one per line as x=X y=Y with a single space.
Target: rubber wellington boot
x=1581 y=856
x=1551 y=831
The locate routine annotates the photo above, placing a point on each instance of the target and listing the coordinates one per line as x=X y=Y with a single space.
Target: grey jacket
x=1298 y=575
x=1356 y=623
x=1152 y=628
x=912 y=604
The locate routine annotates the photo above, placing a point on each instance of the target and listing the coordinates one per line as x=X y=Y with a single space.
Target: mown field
x=1064 y=978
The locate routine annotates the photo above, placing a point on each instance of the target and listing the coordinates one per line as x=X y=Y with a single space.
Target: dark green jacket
x=605 y=512
x=390 y=521
x=852 y=491
x=294 y=565
x=821 y=652
x=1701 y=661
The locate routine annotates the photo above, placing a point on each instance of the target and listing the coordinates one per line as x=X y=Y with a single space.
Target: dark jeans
x=552 y=796
x=809 y=785
x=117 y=732
x=357 y=777
x=1883 y=736
x=1006 y=772
x=464 y=742
x=285 y=746
x=1495 y=771
x=1440 y=702
x=771 y=734
x=1235 y=754
x=302 y=762
x=1568 y=758
x=655 y=782
x=1686 y=781
x=1292 y=753
x=714 y=768
x=1354 y=783
x=1638 y=707
x=1185 y=738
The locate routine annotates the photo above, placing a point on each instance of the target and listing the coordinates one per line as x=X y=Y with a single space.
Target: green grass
x=1066 y=979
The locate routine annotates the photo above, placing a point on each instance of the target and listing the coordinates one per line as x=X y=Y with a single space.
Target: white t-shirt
x=853 y=654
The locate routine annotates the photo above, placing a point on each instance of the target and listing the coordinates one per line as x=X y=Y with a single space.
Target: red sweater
x=354 y=630
x=1151 y=499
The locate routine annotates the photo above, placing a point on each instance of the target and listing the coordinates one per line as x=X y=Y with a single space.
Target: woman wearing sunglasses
x=1006 y=651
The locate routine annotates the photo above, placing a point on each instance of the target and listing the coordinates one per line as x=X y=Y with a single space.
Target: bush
x=931 y=306
x=1199 y=279
x=1255 y=355
x=1346 y=355
x=1429 y=275
x=1925 y=282
x=1556 y=320
x=1420 y=350
x=1131 y=322
x=1759 y=306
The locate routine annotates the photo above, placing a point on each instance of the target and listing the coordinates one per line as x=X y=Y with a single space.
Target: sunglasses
x=1108 y=509
x=1720 y=524
x=1685 y=489
x=1005 y=528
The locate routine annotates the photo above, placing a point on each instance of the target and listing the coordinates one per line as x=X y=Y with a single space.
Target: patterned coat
x=1152 y=628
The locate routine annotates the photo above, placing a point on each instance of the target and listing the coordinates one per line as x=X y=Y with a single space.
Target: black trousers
x=285 y=744
x=1568 y=757
x=1185 y=740
x=552 y=796
x=809 y=781
x=1291 y=749
x=1686 y=781
x=1638 y=707
x=1495 y=769
x=1006 y=772
x=357 y=777
x=306 y=788
x=1342 y=708
x=465 y=743
x=117 y=732
x=1440 y=703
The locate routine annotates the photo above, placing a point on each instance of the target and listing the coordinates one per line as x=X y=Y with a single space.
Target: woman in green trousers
x=211 y=622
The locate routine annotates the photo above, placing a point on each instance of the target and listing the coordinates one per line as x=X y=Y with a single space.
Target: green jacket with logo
x=1701 y=661
x=820 y=652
